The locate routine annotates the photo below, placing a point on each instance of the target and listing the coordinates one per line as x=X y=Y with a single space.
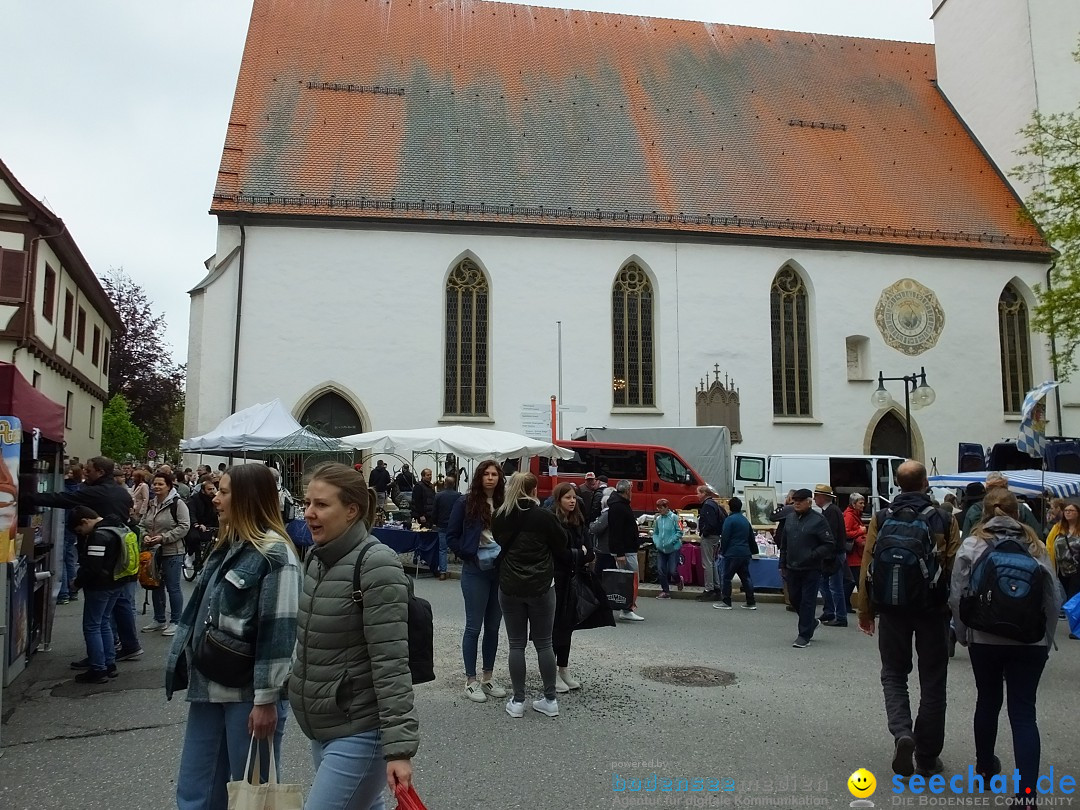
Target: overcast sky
x=116 y=113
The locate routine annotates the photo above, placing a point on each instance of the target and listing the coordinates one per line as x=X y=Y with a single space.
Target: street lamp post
x=917 y=394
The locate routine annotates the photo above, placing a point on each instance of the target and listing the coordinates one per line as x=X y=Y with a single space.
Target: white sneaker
x=474 y=693
x=561 y=686
x=170 y=630
x=516 y=709
x=569 y=679
x=492 y=689
x=154 y=627
x=630 y=616
x=545 y=706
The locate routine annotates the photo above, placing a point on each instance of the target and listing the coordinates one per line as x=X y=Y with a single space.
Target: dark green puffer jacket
x=350 y=673
x=531 y=539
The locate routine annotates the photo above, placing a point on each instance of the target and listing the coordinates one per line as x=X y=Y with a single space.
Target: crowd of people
x=266 y=634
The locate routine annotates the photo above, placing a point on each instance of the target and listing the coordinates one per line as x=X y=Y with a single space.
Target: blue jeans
x=803 y=589
x=667 y=563
x=170 y=582
x=123 y=618
x=215 y=751
x=97 y=630
x=442 y=551
x=69 y=566
x=737 y=566
x=350 y=773
x=481 y=592
x=996 y=667
x=832 y=592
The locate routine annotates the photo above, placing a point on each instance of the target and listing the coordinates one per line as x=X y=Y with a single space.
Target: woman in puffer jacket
x=166 y=524
x=531 y=539
x=351 y=690
x=998 y=662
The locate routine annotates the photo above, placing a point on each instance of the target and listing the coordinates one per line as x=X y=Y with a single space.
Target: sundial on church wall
x=909 y=317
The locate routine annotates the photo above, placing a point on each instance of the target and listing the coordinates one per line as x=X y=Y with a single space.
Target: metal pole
x=907 y=414
x=559 y=415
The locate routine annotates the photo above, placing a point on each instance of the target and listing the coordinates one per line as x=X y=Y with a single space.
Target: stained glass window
x=790 y=345
x=633 y=371
x=466 y=386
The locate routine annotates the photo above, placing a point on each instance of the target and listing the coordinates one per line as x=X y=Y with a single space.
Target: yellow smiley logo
x=861 y=784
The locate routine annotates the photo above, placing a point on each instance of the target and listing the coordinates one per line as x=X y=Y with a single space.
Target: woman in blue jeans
x=166 y=524
x=532 y=539
x=1001 y=663
x=248 y=589
x=469 y=529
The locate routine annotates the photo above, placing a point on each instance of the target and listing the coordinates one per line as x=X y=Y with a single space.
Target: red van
x=657 y=472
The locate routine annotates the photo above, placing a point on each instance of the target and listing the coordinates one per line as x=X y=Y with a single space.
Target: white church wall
x=364 y=308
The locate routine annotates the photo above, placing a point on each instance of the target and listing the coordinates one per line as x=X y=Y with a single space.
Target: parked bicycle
x=194 y=560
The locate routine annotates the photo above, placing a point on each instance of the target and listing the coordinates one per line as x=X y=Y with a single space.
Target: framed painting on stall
x=759 y=504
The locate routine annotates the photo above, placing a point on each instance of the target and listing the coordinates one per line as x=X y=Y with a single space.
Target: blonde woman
x=531 y=540
x=245 y=599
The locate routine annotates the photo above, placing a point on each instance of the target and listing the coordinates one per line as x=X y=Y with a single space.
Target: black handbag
x=584 y=597
x=223 y=658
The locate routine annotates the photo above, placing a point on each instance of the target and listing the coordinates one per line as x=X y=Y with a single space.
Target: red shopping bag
x=407 y=798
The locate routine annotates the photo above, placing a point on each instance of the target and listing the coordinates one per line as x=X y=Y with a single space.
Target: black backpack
x=1005 y=594
x=421 y=628
x=904 y=572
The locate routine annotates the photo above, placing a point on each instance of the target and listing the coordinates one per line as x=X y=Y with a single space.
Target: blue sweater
x=737 y=539
x=666 y=534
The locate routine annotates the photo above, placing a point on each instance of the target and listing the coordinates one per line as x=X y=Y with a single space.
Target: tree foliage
x=1052 y=168
x=141 y=367
x=120 y=437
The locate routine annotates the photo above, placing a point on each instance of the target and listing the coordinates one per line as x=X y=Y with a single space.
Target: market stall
x=31 y=545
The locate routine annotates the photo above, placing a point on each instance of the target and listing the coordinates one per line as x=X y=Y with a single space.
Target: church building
x=426 y=209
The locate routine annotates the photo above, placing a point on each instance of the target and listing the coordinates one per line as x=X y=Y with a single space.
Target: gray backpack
x=599 y=530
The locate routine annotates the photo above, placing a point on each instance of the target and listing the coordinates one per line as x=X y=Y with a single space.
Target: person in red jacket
x=856 y=540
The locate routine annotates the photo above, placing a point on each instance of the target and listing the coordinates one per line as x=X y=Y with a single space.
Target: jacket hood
x=1004 y=525
x=912 y=500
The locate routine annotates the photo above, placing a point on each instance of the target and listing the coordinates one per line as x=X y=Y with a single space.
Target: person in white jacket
x=998 y=662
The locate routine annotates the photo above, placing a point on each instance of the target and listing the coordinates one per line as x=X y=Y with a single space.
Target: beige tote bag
x=250 y=794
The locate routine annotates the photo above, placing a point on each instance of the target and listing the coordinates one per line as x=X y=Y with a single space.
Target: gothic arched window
x=466 y=389
x=790 y=345
x=632 y=374
x=1015 y=348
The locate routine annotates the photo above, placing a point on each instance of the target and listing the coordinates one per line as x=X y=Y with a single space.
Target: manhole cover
x=689 y=676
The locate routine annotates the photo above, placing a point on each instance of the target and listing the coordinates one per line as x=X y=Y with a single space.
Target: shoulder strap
x=357 y=592
x=173 y=505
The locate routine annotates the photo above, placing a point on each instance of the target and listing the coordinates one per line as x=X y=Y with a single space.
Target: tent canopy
x=1022 y=482
x=34 y=409
x=466 y=442
x=262 y=427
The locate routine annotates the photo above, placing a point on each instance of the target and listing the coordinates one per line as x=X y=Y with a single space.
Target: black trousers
x=930 y=632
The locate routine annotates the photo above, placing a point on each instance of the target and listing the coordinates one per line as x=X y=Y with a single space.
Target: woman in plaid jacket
x=249 y=590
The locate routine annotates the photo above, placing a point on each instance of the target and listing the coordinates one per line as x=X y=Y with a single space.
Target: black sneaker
x=993 y=769
x=128 y=655
x=925 y=769
x=110 y=670
x=93 y=676
x=901 y=761
x=83 y=664
x=707 y=596
x=801 y=642
x=74 y=596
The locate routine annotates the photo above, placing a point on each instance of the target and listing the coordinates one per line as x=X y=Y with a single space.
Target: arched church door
x=890 y=437
x=333 y=415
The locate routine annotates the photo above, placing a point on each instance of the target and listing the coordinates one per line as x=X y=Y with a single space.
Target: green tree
x=120 y=437
x=141 y=365
x=1052 y=168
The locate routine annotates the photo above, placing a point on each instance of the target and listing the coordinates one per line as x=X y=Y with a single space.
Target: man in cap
x=808 y=546
x=710 y=526
x=834 y=602
x=590 y=491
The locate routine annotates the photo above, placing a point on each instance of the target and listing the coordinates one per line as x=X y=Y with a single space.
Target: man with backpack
x=106 y=563
x=904 y=582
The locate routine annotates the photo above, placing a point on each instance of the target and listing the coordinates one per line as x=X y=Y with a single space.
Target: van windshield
x=670 y=469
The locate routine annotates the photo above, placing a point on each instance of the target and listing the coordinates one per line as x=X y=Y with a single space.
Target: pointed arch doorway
x=887 y=436
x=333 y=415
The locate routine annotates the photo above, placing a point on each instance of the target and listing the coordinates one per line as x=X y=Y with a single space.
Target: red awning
x=34 y=409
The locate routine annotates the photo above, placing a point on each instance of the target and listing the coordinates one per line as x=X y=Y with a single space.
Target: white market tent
x=260 y=428
x=1022 y=482
x=464 y=442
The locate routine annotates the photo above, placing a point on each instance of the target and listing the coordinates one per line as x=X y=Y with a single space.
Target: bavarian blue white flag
x=1032 y=438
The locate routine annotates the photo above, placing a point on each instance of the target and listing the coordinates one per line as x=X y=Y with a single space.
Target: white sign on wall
x=536 y=421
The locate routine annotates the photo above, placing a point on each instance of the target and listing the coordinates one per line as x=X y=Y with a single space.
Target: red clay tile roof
x=468 y=110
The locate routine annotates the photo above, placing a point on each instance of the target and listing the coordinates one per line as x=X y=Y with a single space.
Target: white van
x=873 y=476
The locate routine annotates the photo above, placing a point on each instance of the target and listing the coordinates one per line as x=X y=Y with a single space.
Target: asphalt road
x=787 y=732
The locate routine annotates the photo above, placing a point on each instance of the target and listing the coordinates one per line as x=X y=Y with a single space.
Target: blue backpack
x=904 y=572
x=1005 y=595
